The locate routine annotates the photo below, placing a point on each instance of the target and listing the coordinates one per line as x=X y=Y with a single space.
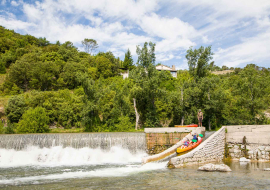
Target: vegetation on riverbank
x=79 y=91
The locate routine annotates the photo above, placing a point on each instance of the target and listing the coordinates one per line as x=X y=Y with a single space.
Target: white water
x=59 y=156
x=107 y=172
x=116 y=162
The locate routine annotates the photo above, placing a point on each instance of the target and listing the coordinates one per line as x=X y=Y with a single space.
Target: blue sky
x=239 y=30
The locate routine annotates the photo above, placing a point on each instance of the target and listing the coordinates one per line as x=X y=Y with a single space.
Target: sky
x=238 y=31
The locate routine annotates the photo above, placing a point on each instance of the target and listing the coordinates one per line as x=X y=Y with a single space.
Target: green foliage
x=128 y=61
x=34 y=121
x=15 y=108
x=89 y=45
x=79 y=91
x=2 y=130
x=198 y=61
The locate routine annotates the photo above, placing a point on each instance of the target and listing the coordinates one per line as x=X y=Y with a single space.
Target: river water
x=114 y=167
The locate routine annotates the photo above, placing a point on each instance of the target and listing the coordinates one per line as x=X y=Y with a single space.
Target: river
x=114 y=167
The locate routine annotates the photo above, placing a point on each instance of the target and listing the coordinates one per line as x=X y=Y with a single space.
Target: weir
x=131 y=141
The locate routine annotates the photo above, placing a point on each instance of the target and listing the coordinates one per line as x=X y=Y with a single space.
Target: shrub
x=1 y=127
x=15 y=108
x=34 y=121
x=124 y=124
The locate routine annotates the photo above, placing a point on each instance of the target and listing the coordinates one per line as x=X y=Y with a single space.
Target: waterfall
x=131 y=141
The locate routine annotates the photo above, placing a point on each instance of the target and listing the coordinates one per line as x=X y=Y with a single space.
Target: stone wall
x=171 y=152
x=256 y=145
x=212 y=149
x=160 y=139
x=158 y=142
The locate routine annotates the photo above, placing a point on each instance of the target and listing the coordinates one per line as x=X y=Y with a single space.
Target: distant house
x=125 y=72
x=166 y=68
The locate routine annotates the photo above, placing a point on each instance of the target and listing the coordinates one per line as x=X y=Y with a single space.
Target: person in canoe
x=200 y=117
x=186 y=143
x=195 y=138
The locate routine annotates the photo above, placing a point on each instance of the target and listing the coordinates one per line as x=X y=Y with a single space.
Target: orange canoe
x=191 y=125
x=179 y=150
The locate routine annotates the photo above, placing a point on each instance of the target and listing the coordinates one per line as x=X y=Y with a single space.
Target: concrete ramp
x=212 y=149
x=172 y=149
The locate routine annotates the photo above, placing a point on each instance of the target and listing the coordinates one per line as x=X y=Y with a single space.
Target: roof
x=164 y=68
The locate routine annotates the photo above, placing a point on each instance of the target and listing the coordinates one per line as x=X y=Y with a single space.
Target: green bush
x=15 y=108
x=124 y=124
x=1 y=127
x=34 y=121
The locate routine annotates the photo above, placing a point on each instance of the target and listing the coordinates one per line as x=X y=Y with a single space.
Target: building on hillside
x=167 y=68
x=125 y=72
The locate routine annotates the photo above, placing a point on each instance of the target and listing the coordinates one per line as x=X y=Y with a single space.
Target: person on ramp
x=200 y=117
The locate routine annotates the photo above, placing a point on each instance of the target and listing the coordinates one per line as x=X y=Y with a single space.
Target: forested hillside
x=56 y=85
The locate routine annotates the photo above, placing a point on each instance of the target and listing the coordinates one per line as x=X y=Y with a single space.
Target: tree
x=34 y=120
x=198 y=61
x=15 y=108
x=146 y=56
x=89 y=45
x=128 y=61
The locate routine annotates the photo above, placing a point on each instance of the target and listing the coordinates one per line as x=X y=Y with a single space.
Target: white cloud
x=3 y=2
x=33 y=13
x=121 y=24
x=14 y=3
x=254 y=49
x=15 y=24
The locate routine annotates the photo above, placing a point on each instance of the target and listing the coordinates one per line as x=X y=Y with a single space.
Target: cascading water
x=52 y=157
x=130 y=141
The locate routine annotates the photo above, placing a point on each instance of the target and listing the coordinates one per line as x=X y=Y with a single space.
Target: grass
x=76 y=130
x=81 y=130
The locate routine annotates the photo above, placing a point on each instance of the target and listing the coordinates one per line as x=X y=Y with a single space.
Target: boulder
x=261 y=148
x=215 y=167
x=243 y=159
x=266 y=169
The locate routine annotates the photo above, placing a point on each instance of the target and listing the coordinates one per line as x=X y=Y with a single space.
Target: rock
x=266 y=169
x=236 y=147
x=261 y=148
x=231 y=150
x=263 y=152
x=250 y=152
x=242 y=146
x=243 y=159
x=248 y=147
x=267 y=148
x=237 y=151
x=215 y=167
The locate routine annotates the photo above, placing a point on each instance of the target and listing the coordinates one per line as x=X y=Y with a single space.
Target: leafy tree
x=34 y=121
x=198 y=61
x=128 y=61
x=2 y=68
x=89 y=45
x=146 y=56
x=15 y=108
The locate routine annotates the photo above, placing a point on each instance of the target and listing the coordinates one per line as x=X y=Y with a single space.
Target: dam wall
x=160 y=139
x=210 y=150
x=250 y=141
x=131 y=141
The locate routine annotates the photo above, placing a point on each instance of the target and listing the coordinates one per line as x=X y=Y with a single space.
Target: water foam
x=59 y=156
x=107 y=172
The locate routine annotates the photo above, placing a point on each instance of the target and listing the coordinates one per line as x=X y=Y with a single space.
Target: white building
x=125 y=73
x=166 y=68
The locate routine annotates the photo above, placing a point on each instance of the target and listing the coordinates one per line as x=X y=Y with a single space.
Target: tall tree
x=146 y=56
x=198 y=61
x=89 y=45
x=128 y=61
